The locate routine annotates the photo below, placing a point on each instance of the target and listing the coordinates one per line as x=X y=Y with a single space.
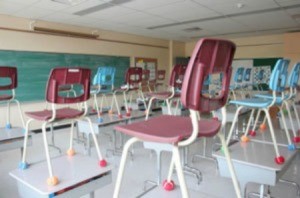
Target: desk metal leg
x=52 y=144
x=92 y=194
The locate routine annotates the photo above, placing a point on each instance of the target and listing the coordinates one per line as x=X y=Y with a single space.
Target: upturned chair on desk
x=175 y=83
x=210 y=56
x=103 y=84
x=80 y=78
x=277 y=85
x=10 y=82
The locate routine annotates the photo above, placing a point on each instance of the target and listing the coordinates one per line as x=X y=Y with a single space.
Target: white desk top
x=9 y=134
x=69 y=170
x=258 y=154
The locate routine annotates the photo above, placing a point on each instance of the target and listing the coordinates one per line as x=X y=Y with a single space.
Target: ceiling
x=182 y=20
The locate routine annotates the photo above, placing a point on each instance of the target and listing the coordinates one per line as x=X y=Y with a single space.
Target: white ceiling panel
x=111 y=13
x=182 y=11
x=167 y=18
x=147 y=4
x=278 y=19
x=33 y=12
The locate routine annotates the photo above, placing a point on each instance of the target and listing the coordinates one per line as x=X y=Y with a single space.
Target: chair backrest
x=105 y=76
x=210 y=56
x=161 y=75
x=279 y=75
x=177 y=76
x=10 y=73
x=247 y=75
x=238 y=76
x=294 y=76
x=133 y=76
x=68 y=76
x=145 y=77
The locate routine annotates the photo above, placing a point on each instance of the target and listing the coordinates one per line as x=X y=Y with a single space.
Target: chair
x=276 y=84
x=103 y=84
x=160 y=78
x=9 y=82
x=80 y=78
x=171 y=132
x=175 y=83
x=133 y=79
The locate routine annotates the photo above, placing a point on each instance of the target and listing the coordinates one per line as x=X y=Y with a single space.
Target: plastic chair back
x=105 y=76
x=279 y=75
x=161 y=75
x=210 y=56
x=11 y=73
x=145 y=77
x=238 y=76
x=177 y=76
x=133 y=76
x=294 y=76
x=247 y=75
x=68 y=76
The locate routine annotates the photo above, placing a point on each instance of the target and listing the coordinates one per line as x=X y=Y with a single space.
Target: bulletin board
x=147 y=63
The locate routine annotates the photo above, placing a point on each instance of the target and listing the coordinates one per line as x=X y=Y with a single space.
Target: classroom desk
x=254 y=162
x=108 y=120
x=12 y=139
x=79 y=175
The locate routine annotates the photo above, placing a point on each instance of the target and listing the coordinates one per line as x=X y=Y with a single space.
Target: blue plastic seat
x=103 y=84
x=277 y=85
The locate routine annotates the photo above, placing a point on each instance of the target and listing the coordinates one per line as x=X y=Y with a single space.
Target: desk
x=254 y=162
x=12 y=138
x=79 y=175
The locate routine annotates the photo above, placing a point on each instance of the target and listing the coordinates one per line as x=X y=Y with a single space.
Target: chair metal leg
x=233 y=124
x=23 y=164
x=252 y=133
x=290 y=145
x=20 y=112
x=122 y=166
x=149 y=107
x=8 y=124
x=256 y=120
x=287 y=106
x=230 y=166
x=71 y=151
x=278 y=159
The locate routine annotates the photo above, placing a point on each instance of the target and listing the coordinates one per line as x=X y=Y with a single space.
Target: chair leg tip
x=291 y=147
x=279 y=160
x=128 y=114
x=296 y=139
x=120 y=116
x=71 y=152
x=52 y=181
x=100 y=120
x=252 y=133
x=168 y=185
x=23 y=165
x=102 y=163
x=263 y=126
x=8 y=126
x=245 y=138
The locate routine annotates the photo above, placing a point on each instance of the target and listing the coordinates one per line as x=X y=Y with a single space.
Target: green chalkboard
x=34 y=68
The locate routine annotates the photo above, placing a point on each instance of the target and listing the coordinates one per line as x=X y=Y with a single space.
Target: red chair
x=210 y=56
x=9 y=74
x=133 y=79
x=80 y=78
x=175 y=83
x=160 y=79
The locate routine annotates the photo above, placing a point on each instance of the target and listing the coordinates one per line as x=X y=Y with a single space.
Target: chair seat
x=168 y=129
x=63 y=113
x=252 y=102
x=5 y=97
x=270 y=97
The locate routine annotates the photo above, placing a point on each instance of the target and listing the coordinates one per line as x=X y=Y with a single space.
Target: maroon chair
x=145 y=80
x=210 y=56
x=9 y=74
x=60 y=77
x=133 y=80
x=160 y=78
x=175 y=83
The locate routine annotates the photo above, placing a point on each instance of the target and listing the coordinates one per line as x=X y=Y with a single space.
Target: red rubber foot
x=120 y=116
x=93 y=110
x=129 y=109
x=263 y=127
x=102 y=163
x=128 y=114
x=215 y=118
x=296 y=139
x=168 y=186
x=279 y=160
x=100 y=113
x=252 y=133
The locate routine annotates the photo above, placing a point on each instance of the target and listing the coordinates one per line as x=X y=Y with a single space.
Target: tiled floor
x=143 y=168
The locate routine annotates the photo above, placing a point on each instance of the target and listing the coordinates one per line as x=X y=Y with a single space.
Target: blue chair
x=277 y=85
x=103 y=84
x=287 y=99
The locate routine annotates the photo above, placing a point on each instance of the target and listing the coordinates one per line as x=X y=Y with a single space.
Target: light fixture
x=69 y=2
